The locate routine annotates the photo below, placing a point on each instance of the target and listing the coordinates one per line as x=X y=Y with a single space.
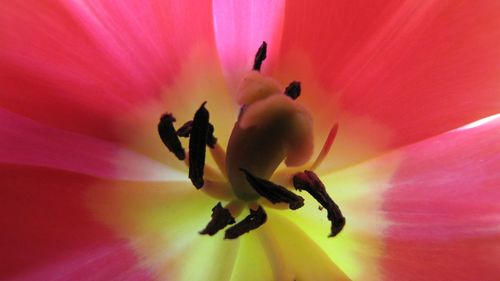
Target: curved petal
x=29 y=143
x=48 y=233
x=94 y=61
x=240 y=27
x=408 y=209
x=393 y=72
x=444 y=209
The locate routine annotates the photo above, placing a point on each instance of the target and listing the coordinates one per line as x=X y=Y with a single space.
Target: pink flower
x=89 y=192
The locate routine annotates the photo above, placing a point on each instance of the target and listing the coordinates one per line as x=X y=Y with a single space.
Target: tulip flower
x=383 y=166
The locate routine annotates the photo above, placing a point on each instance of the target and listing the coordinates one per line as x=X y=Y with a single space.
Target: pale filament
x=219 y=155
x=215 y=183
x=326 y=147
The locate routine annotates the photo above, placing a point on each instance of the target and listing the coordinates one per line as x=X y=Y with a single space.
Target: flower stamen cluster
x=271 y=128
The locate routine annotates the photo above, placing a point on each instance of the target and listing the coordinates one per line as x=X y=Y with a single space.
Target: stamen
x=218 y=153
x=250 y=222
x=310 y=182
x=221 y=217
x=209 y=172
x=326 y=147
x=260 y=56
x=185 y=131
x=197 y=146
x=293 y=90
x=219 y=156
x=168 y=136
x=269 y=124
x=211 y=139
x=273 y=192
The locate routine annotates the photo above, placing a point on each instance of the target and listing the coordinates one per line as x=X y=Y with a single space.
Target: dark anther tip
x=185 y=130
x=211 y=139
x=311 y=183
x=293 y=90
x=169 y=137
x=300 y=181
x=167 y=117
x=337 y=226
x=254 y=220
x=260 y=56
x=297 y=204
x=198 y=182
x=273 y=192
x=221 y=217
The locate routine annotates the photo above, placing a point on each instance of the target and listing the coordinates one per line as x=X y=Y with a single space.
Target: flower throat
x=271 y=128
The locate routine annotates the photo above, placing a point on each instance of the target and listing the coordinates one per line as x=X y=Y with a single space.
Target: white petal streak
x=26 y=142
x=480 y=122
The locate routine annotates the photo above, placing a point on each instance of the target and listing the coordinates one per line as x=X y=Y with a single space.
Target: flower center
x=271 y=128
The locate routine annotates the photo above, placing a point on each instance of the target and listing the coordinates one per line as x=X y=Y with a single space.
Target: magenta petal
x=240 y=27
x=415 y=69
x=444 y=208
x=27 y=142
x=94 y=61
x=49 y=234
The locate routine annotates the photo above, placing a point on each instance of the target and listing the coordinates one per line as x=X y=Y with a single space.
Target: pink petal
x=92 y=61
x=48 y=233
x=240 y=27
x=26 y=142
x=393 y=72
x=444 y=208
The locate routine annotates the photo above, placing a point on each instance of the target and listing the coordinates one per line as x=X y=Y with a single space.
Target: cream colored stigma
x=271 y=128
